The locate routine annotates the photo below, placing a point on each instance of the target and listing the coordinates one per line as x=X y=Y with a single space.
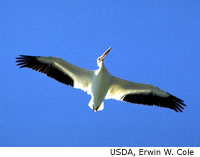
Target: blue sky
x=154 y=42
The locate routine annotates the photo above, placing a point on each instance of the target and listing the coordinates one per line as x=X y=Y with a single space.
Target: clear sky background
x=156 y=42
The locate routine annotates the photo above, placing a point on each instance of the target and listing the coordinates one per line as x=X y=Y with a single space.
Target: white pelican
x=100 y=84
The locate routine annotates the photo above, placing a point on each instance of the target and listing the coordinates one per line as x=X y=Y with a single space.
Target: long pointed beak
x=105 y=53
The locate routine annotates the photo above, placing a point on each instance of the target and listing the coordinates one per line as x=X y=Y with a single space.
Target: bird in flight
x=100 y=84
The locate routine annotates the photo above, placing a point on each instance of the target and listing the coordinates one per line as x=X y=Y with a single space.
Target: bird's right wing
x=142 y=94
x=58 y=69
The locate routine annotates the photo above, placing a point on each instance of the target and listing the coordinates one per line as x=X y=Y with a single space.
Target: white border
x=98 y=151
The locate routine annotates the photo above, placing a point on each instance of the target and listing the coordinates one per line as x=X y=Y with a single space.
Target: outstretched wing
x=58 y=69
x=142 y=94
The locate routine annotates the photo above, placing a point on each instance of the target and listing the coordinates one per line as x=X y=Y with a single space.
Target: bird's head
x=101 y=58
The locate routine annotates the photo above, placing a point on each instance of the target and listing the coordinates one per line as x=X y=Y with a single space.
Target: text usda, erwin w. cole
x=155 y=152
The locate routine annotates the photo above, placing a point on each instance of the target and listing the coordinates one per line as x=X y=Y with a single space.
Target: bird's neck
x=102 y=68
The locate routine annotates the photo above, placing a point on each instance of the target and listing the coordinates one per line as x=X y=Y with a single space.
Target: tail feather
x=94 y=107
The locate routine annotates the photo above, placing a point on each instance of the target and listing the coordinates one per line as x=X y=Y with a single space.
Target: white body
x=100 y=85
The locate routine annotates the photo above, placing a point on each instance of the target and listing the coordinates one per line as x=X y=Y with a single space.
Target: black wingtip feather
x=24 y=61
x=170 y=102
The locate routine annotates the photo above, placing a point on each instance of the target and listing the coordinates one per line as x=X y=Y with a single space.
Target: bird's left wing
x=58 y=69
x=142 y=94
